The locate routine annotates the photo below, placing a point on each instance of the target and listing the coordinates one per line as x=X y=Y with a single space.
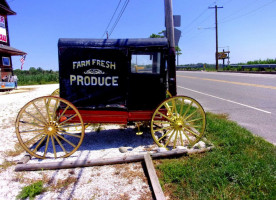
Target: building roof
x=5 y=8
x=10 y=50
x=132 y=42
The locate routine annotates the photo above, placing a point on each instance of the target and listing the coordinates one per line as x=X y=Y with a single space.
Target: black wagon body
x=113 y=74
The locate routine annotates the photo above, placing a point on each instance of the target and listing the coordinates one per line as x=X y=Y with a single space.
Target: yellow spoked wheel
x=44 y=128
x=178 y=121
x=55 y=93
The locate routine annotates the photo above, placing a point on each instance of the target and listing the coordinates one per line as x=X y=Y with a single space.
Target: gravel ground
x=126 y=181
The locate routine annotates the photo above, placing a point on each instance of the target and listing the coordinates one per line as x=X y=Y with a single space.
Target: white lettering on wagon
x=94 y=62
x=94 y=81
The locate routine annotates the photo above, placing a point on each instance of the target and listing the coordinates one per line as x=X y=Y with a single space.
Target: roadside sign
x=222 y=55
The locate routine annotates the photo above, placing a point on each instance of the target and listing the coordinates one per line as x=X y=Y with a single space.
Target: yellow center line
x=232 y=82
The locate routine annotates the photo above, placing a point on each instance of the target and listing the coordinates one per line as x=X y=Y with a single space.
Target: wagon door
x=147 y=84
x=91 y=78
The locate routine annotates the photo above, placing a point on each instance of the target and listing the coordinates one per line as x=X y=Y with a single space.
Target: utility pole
x=170 y=35
x=216 y=18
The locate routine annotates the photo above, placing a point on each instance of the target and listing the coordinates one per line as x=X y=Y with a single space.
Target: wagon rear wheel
x=178 y=121
x=46 y=127
x=55 y=93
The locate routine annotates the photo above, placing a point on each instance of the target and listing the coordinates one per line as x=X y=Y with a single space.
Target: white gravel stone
x=200 y=144
x=161 y=149
x=182 y=148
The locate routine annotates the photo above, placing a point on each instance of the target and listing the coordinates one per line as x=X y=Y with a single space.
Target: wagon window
x=146 y=63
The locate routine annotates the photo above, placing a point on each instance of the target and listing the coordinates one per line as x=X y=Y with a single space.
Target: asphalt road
x=249 y=99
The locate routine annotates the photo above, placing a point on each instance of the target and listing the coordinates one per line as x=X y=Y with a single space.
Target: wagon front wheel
x=178 y=121
x=46 y=127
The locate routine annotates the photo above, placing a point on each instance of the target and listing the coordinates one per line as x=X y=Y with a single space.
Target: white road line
x=226 y=100
x=271 y=76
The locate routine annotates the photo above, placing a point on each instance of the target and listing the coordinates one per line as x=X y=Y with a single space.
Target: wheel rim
x=46 y=127
x=178 y=121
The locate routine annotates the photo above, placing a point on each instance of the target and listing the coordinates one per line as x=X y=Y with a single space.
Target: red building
x=6 y=51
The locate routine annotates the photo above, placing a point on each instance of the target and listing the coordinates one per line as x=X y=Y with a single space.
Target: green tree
x=32 y=70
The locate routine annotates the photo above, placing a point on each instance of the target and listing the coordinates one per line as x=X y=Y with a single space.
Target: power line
x=239 y=10
x=112 y=18
x=119 y=17
x=250 y=12
x=227 y=2
x=196 y=18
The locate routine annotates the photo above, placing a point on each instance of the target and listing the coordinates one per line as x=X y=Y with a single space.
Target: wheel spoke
x=190 y=131
x=162 y=122
x=66 y=140
x=69 y=125
x=46 y=147
x=38 y=145
x=191 y=115
x=32 y=131
x=164 y=135
x=194 y=120
x=164 y=116
x=163 y=128
x=55 y=109
x=181 y=138
x=39 y=112
x=190 y=142
x=34 y=117
x=73 y=135
x=188 y=109
x=68 y=119
x=63 y=113
x=60 y=144
x=28 y=141
x=182 y=105
x=193 y=128
x=47 y=104
x=174 y=143
x=32 y=124
x=170 y=138
x=54 y=146
x=198 y=126
x=174 y=103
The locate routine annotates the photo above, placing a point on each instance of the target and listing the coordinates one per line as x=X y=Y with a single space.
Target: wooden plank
x=157 y=190
x=25 y=159
x=103 y=161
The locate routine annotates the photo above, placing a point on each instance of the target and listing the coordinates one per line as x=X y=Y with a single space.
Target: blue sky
x=246 y=27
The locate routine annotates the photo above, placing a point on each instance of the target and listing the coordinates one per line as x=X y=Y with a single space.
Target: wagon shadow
x=115 y=138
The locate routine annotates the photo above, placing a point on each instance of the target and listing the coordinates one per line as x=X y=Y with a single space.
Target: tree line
x=37 y=76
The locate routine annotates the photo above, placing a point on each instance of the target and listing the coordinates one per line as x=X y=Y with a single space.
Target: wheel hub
x=178 y=124
x=51 y=128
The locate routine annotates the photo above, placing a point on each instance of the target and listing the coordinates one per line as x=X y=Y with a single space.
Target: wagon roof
x=138 y=42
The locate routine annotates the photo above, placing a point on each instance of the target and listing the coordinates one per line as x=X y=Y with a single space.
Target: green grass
x=241 y=166
x=31 y=191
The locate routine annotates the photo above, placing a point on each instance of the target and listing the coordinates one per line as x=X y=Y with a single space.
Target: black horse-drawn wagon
x=120 y=81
